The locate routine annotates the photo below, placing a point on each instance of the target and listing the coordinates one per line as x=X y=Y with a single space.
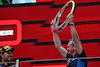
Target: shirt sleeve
x=83 y=54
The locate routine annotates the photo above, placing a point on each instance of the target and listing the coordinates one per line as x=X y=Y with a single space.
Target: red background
x=37 y=41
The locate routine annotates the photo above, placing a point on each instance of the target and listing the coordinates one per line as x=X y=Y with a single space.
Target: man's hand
x=70 y=18
x=53 y=29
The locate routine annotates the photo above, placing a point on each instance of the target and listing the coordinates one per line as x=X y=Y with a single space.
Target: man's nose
x=10 y=54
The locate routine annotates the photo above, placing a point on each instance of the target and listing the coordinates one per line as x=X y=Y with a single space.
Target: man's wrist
x=72 y=24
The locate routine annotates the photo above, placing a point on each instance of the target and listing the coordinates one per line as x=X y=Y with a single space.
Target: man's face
x=7 y=56
x=70 y=48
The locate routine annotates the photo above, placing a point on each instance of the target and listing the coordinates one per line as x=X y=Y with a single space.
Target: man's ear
x=1 y=54
x=74 y=48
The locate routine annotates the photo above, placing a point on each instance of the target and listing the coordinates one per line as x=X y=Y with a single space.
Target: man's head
x=6 y=53
x=71 y=48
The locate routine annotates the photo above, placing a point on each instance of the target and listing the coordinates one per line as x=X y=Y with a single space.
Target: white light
x=23 y=1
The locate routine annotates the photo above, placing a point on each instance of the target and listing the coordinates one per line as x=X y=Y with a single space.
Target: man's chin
x=68 y=52
x=9 y=60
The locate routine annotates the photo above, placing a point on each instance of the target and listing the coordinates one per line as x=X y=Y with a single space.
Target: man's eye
x=9 y=52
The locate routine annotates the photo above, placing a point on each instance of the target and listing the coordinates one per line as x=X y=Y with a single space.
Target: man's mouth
x=10 y=57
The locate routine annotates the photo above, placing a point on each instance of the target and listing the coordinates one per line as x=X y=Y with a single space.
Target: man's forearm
x=57 y=41
x=74 y=33
x=59 y=46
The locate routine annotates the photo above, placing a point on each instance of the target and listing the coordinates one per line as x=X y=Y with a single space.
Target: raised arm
x=58 y=44
x=74 y=34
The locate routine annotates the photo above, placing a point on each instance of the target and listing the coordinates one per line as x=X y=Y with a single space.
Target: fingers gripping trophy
x=55 y=22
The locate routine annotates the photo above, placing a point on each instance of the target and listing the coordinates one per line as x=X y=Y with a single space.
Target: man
x=74 y=47
x=6 y=56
